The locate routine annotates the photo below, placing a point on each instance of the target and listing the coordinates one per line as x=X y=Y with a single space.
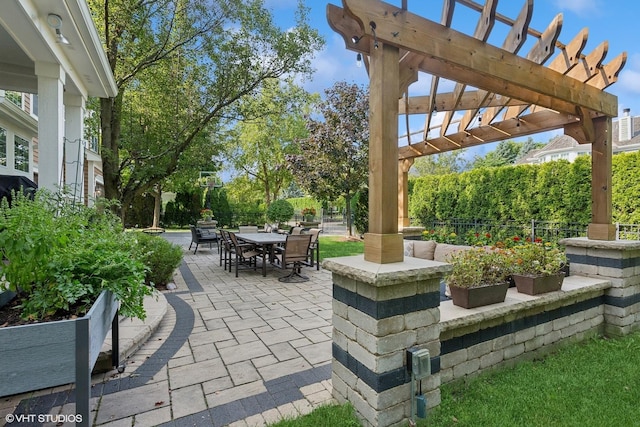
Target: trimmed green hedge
x=553 y=191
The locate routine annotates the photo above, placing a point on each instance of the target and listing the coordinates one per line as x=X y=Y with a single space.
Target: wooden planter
x=479 y=296
x=49 y=354
x=534 y=285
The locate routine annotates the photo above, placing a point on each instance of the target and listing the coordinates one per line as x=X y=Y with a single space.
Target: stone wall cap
x=411 y=269
x=584 y=242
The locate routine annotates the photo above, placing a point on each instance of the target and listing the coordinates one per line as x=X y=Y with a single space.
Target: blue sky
x=615 y=21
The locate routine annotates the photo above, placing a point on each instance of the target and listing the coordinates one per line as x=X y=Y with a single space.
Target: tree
x=334 y=159
x=441 y=164
x=180 y=67
x=258 y=146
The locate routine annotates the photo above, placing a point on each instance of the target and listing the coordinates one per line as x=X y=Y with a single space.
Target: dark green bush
x=280 y=211
x=160 y=257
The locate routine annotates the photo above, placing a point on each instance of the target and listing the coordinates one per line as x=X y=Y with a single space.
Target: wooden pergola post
x=601 y=227
x=403 y=192
x=383 y=244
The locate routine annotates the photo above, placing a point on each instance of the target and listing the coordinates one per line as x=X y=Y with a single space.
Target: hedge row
x=554 y=191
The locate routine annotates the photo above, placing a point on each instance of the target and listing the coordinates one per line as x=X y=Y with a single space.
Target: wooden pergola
x=499 y=94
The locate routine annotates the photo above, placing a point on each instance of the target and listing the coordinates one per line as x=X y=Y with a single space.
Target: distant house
x=625 y=138
x=51 y=62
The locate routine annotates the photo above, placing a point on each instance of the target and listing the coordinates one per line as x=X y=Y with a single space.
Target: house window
x=21 y=154
x=3 y=147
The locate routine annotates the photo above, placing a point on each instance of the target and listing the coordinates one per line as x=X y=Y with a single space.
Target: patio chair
x=226 y=248
x=248 y=229
x=197 y=237
x=295 y=252
x=296 y=230
x=314 y=248
x=246 y=254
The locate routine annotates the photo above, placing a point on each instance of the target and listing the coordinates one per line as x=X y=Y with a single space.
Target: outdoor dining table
x=266 y=241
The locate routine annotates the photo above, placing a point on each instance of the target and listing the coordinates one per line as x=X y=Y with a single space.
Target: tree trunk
x=347 y=199
x=110 y=124
x=157 y=206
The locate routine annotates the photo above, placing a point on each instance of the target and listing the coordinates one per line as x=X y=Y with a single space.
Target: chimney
x=625 y=126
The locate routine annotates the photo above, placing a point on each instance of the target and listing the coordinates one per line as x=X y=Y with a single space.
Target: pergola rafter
x=497 y=95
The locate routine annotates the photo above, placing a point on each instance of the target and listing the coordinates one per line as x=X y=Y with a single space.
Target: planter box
x=534 y=285
x=49 y=354
x=479 y=296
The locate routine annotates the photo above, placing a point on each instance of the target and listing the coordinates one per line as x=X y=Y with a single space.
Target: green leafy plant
x=537 y=259
x=160 y=257
x=280 y=211
x=60 y=256
x=479 y=267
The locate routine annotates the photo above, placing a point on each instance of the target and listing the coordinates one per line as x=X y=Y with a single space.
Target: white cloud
x=629 y=79
x=579 y=7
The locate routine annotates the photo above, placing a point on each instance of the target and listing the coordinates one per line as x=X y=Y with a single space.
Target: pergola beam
x=464 y=59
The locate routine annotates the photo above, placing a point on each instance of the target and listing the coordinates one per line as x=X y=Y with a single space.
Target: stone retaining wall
x=521 y=328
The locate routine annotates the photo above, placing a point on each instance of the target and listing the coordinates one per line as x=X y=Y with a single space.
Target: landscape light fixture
x=55 y=22
x=359 y=60
x=373 y=30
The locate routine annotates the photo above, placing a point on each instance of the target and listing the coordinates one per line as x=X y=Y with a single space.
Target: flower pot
x=479 y=296
x=48 y=354
x=534 y=285
x=309 y=218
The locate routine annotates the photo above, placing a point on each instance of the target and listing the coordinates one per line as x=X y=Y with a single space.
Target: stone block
x=544 y=329
x=466 y=368
x=552 y=337
x=344 y=282
x=479 y=350
x=584 y=269
x=340 y=338
x=524 y=335
x=420 y=319
x=338 y=386
x=560 y=323
x=427 y=334
x=348 y=377
x=386 y=399
x=534 y=343
x=576 y=318
x=513 y=351
x=344 y=326
x=446 y=375
x=376 y=327
x=503 y=342
x=387 y=344
x=452 y=359
x=339 y=308
x=491 y=359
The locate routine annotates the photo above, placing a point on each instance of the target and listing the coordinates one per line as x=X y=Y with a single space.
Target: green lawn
x=596 y=383
x=337 y=246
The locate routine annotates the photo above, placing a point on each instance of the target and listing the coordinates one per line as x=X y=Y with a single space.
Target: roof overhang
x=26 y=39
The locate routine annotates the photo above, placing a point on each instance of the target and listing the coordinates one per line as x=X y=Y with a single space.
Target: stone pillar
x=617 y=261
x=379 y=311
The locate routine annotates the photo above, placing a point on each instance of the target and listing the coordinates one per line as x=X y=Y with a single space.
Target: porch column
x=383 y=244
x=51 y=80
x=74 y=147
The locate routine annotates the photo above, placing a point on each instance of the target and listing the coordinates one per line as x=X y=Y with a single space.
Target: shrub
x=160 y=257
x=280 y=211
x=60 y=256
